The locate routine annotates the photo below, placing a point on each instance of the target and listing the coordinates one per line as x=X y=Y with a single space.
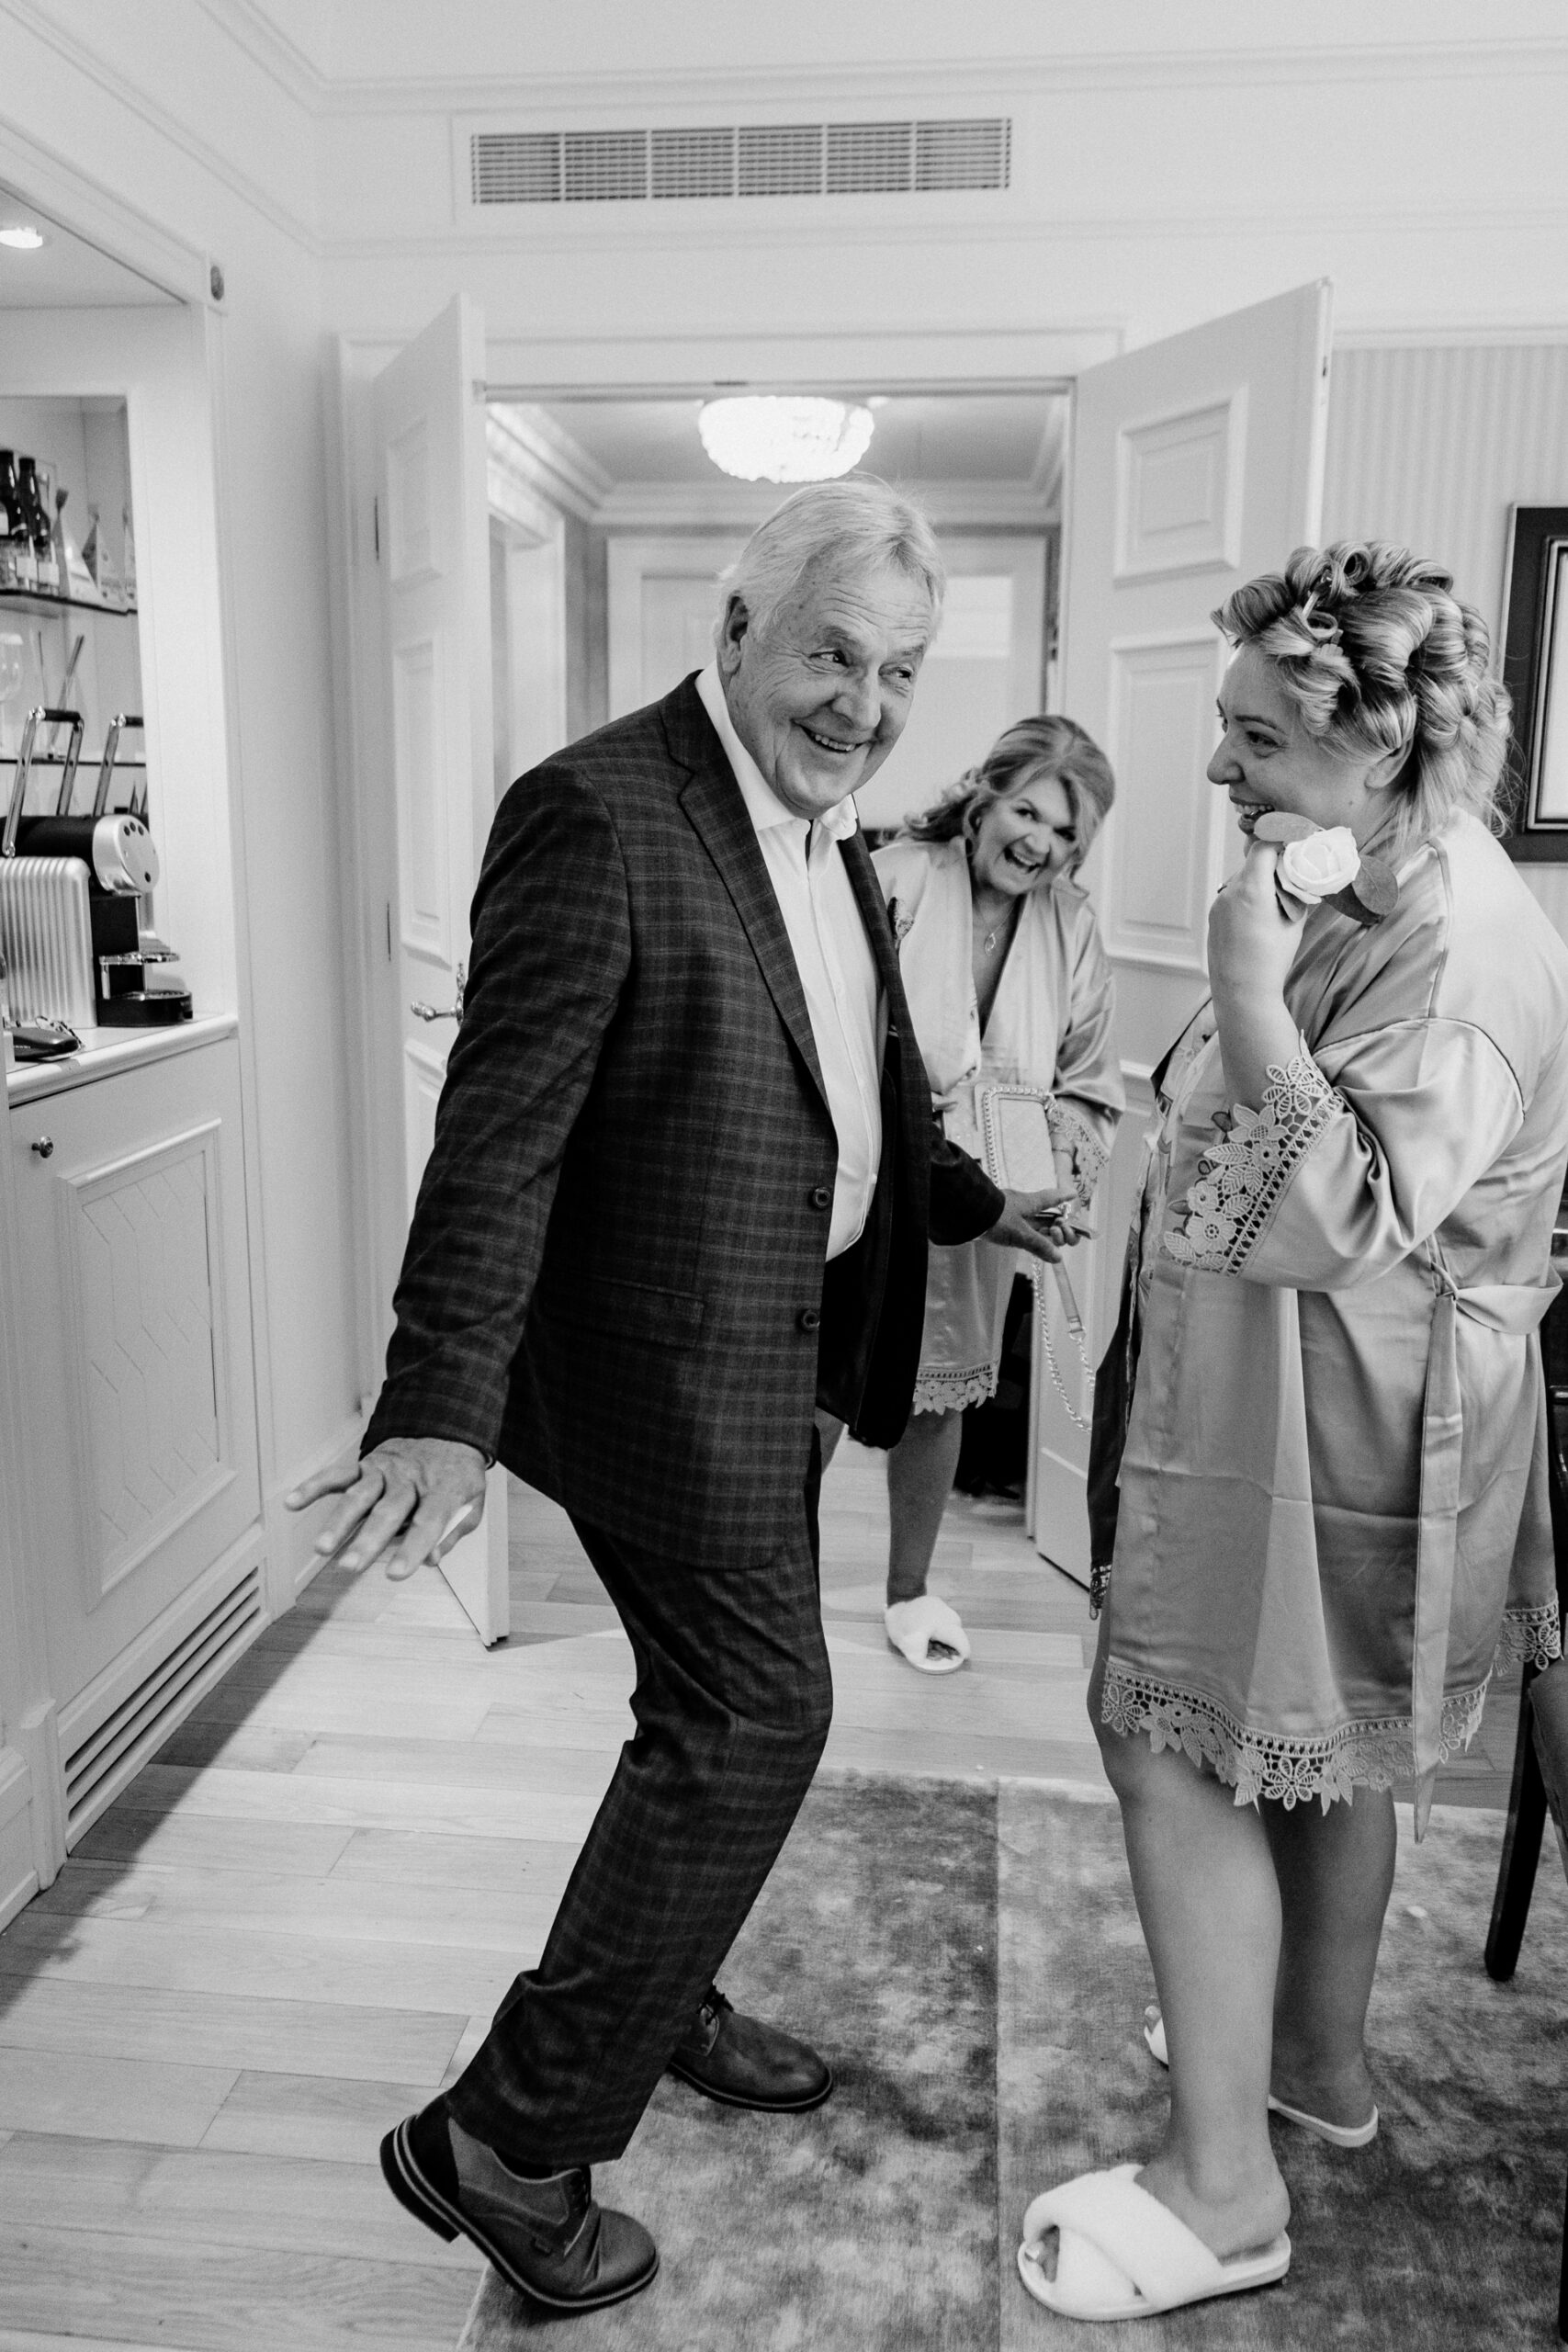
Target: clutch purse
x=1015 y=1130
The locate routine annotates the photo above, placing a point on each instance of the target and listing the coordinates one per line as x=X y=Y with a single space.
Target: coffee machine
x=76 y=896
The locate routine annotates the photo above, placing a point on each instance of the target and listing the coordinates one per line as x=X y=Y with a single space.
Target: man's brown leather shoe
x=546 y=2237
x=743 y=2062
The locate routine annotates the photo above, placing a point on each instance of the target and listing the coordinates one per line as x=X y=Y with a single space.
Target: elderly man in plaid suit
x=683 y=1175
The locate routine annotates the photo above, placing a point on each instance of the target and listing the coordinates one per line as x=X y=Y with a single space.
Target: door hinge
x=376 y=525
x=388 y=931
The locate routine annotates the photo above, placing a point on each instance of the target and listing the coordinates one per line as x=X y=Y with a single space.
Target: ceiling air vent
x=755 y=159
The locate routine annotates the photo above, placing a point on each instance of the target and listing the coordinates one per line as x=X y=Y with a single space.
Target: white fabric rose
x=1321 y=865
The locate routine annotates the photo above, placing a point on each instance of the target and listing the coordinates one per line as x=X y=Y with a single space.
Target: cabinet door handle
x=43 y=1146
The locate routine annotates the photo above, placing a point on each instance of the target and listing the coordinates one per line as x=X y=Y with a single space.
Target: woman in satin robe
x=1008 y=982
x=1330 y=1503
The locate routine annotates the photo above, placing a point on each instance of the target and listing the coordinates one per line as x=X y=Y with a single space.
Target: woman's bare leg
x=1207 y=1896
x=920 y=1470
x=1336 y=1872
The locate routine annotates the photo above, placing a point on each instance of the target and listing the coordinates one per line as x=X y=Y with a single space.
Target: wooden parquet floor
x=295 y=1924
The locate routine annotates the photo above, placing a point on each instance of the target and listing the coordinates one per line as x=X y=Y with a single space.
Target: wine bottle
x=38 y=532
x=7 y=511
x=18 y=545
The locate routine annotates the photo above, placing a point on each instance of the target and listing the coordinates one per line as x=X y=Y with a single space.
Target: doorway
x=649 y=525
x=1195 y=463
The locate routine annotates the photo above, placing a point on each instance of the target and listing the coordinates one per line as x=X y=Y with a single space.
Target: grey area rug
x=870 y=2225
x=1442 y=2236
x=973 y=1960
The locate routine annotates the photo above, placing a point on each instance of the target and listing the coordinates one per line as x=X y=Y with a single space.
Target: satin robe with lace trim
x=1333 y=1487
x=1050 y=1026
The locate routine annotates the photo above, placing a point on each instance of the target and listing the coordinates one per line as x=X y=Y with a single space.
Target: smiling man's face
x=819 y=694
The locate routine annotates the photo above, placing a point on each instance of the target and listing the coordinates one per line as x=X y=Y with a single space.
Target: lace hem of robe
x=1270 y=1765
x=944 y=1391
x=1216 y=1223
x=1530 y=1636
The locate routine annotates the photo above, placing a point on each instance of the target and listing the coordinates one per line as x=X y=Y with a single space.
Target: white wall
x=1167 y=165
x=1431 y=446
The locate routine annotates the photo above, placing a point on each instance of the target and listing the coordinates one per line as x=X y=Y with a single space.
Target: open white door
x=1197 y=464
x=433 y=547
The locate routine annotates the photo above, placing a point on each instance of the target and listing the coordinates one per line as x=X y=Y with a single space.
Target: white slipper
x=1338 y=2135
x=1123 y=2255
x=914 y=1625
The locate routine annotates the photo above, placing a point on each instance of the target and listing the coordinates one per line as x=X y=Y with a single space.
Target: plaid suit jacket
x=614 y=1269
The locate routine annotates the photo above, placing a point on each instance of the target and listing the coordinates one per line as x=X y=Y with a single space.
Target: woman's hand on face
x=1252 y=941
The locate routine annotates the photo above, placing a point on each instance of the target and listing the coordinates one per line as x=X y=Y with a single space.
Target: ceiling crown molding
x=251 y=29
x=85 y=60
x=890 y=84
x=534 y=449
x=666 y=506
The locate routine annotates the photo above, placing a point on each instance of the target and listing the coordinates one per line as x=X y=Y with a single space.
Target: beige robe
x=1050 y=1026
x=1334 y=1480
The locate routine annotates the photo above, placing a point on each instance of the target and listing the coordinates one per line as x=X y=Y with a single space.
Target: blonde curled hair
x=1032 y=750
x=1377 y=655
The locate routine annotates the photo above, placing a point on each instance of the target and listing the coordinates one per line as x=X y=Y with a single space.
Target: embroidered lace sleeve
x=1215 y=1223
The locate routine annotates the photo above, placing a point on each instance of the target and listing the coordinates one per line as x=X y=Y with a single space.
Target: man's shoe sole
x=757 y=2106
x=426 y=2202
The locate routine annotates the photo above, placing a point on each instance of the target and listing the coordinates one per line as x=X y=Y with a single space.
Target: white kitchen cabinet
x=134 y=1564
x=138 y=1404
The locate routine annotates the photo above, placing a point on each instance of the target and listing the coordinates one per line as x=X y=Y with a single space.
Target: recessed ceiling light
x=23 y=238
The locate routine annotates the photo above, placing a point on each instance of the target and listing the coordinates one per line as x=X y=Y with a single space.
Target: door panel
x=433 y=520
x=1197 y=464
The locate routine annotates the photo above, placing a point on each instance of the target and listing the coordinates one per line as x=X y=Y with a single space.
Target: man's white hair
x=855 y=525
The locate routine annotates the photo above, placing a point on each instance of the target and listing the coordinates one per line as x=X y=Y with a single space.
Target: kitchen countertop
x=106 y=1052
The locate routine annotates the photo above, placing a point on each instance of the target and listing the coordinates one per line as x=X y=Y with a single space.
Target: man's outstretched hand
x=408 y=1501
x=1033 y=1221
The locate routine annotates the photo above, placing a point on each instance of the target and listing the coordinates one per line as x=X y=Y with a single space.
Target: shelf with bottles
x=43 y=573
x=44 y=603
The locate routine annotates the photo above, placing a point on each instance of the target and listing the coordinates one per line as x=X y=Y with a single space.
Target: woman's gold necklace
x=988 y=939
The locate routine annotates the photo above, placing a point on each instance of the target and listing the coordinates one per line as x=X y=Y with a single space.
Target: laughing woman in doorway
x=1008 y=983
x=1332 y=1485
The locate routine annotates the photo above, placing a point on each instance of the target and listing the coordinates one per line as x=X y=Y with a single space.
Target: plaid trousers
x=733 y=1700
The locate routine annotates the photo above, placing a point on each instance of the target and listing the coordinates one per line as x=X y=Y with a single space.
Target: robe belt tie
x=1516 y=1308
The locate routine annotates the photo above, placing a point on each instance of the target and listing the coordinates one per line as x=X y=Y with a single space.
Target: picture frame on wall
x=1535 y=670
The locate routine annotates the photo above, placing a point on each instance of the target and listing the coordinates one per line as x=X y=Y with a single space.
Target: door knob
x=43 y=1146
x=453 y=1012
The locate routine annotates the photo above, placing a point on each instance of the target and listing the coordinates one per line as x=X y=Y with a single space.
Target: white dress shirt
x=833 y=954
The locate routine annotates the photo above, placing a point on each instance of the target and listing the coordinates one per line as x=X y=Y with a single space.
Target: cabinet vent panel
x=111 y=1755
x=752 y=159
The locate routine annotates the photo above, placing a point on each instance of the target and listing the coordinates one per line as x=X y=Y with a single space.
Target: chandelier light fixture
x=769 y=436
